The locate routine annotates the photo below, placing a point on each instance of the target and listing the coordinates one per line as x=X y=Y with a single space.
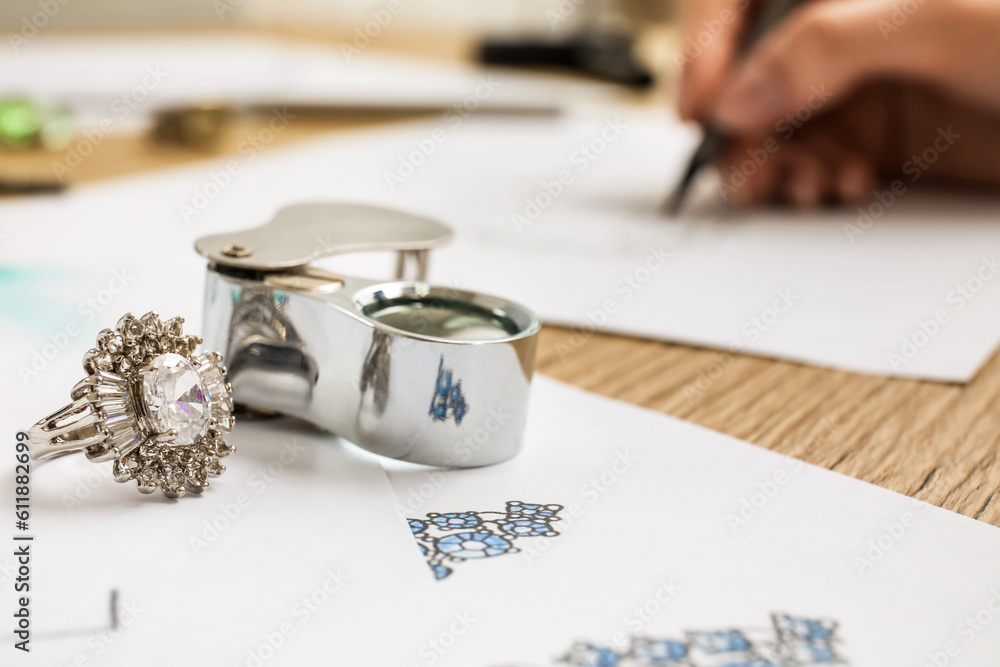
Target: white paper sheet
x=117 y=80
x=667 y=528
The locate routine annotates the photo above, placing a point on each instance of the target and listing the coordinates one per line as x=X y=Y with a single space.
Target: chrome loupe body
x=407 y=370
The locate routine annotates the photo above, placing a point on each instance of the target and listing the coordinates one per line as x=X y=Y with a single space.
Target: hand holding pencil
x=839 y=93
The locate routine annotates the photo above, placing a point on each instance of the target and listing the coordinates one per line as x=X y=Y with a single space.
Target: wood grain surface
x=936 y=442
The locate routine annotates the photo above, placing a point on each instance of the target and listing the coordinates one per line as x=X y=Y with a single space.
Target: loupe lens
x=445 y=314
x=443 y=319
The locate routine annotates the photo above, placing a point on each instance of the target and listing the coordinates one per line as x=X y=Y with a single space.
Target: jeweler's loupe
x=404 y=369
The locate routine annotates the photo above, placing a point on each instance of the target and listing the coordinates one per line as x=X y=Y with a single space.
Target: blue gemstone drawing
x=724 y=641
x=457 y=537
x=792 y=641
x=658 y=651
x=591 y=655
x=456 y=521
x=448 y=400
x=468 y=546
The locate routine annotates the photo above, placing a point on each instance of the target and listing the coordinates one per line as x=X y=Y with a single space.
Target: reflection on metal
x=267 y=359
x=448 y=399
x=415 y=258
x=375 y=373
x=358 y=357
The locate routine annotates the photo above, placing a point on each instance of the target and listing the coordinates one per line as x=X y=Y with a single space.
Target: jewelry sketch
x=792 y=642
x=457 y=537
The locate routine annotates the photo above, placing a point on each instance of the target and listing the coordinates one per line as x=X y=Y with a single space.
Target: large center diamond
x=175 y=398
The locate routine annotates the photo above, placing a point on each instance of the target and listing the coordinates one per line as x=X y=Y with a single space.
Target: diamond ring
x=148 y=403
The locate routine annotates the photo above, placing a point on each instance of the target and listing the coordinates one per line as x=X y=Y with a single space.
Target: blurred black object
x=12 y=186
x=198 y=126
x=602 y=55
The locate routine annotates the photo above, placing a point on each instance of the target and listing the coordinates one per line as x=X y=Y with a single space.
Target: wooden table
x=936 y=442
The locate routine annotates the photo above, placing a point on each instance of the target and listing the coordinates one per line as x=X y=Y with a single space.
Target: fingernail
x=756 y=97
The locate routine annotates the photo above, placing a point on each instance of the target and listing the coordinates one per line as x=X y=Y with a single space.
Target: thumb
x=822 y=52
